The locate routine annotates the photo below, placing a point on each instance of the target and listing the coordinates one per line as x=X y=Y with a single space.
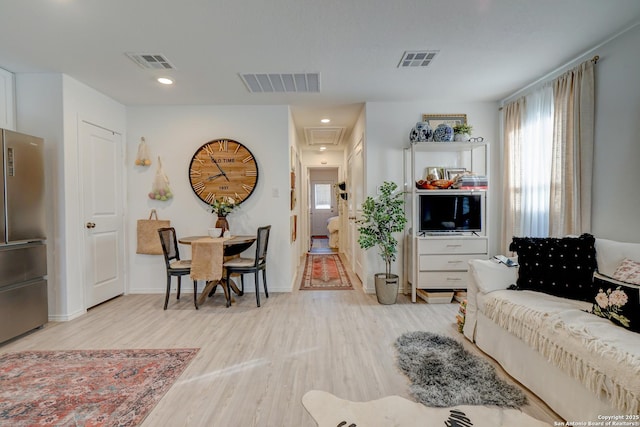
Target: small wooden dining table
x=233 y=247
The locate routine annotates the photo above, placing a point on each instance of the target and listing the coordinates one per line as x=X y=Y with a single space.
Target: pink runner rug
x=325 y=272
x=86 y=387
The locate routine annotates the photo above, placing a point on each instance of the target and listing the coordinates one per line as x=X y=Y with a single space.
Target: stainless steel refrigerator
x=23 y=255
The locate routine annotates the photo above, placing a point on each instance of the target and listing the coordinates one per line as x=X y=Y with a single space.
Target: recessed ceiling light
x=323 y=148
x=325 y=120
x=165 y=80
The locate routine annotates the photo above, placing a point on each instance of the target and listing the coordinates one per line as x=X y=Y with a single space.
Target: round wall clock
x=223 y=168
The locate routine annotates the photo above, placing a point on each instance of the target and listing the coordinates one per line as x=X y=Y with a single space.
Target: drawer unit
x=452 y=246
x=446 y=262
x=442 y=279
x=443 y=263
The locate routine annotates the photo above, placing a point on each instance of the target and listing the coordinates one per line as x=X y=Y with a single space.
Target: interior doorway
x=322 y=198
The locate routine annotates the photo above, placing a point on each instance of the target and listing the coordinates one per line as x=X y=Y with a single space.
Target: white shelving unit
x=439 y=261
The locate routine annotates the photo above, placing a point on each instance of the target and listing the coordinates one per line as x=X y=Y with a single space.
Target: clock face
x=223 y=168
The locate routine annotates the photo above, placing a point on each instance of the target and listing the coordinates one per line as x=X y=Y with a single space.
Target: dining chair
x=243 y=266
x=175 y=266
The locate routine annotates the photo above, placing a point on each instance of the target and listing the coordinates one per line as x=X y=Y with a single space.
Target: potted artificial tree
x=381 y=217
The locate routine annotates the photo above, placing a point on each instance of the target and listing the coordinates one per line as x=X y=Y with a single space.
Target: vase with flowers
x=223 y=207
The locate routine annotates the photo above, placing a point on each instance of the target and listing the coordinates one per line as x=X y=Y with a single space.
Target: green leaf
x=381 y=217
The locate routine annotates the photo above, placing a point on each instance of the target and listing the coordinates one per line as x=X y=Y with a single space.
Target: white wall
x=174 y=133
x=298 y=249
x=51 y=106
x=7 y=100
x=387 y=134
x=616 y=186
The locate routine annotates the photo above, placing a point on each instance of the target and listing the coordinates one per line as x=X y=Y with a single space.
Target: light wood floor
x=255 y=364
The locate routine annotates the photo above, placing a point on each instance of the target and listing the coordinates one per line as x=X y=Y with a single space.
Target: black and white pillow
x=562 y=267
x=617 y=301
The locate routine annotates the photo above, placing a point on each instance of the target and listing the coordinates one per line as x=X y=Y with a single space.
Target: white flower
x=602 y=299
x=618 y=298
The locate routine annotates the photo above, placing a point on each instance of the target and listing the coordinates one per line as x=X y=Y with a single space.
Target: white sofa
x=581 y=365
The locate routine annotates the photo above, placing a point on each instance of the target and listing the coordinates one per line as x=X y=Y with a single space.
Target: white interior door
x=355 y=186
x=323 y=206
x=101 y=153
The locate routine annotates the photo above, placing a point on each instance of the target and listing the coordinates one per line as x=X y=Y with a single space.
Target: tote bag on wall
x=148 y=238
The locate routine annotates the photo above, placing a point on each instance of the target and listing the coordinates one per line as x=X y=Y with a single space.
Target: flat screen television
x=443 y=213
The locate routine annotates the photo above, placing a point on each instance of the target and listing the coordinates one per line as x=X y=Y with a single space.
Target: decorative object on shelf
x=160 y=190
x=222 y=207
x=452 y=173
x=443 y=133
x=421 y=132
x=433 y=173
x=450 y=119
x=470 y=181
x=462 y=132
x=436 y=184
x=223 y=168
x=142 y=158
x=381 y=217
x=435 y=178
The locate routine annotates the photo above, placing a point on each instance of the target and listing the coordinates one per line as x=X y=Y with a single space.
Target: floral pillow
x=617 y=301
x=628 y=271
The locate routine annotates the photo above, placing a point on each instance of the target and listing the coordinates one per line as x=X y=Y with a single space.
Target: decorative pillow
x=617 y=301
x=562 y=267
x=628 y=271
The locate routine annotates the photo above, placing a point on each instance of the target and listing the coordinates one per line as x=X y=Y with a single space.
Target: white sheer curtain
x=535 y=165
x=548 y=158
x=528 y=133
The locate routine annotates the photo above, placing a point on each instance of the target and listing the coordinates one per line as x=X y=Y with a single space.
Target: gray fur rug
x=443 y=374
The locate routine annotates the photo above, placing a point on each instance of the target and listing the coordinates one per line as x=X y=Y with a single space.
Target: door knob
x=91 y=225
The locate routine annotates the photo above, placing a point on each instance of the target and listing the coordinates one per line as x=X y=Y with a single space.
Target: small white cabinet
x=443 y=262
x=439 y=260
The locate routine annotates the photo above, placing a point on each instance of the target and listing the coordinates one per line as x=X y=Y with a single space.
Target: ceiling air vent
x=298 y=82
x=151 y=61
x=417 y=58
x=323 y=135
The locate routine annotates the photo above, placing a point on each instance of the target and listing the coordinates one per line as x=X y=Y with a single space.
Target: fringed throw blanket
x=604 y=357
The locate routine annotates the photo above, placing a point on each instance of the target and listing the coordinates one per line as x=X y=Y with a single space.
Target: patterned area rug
x=325 y=272
x=330 y=411
x=86 y=387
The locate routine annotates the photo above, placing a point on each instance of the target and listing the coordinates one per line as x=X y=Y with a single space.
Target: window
x=548 y=158
x=322 y=196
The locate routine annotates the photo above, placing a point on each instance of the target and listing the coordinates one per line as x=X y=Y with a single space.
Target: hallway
x=320 y=245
